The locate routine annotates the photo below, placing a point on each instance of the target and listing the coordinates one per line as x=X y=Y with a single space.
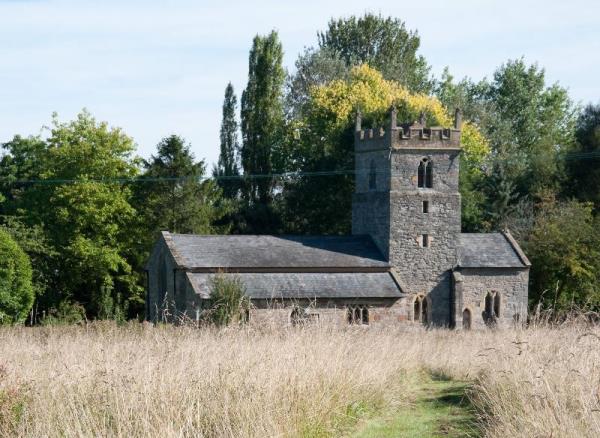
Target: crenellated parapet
x=414 y=135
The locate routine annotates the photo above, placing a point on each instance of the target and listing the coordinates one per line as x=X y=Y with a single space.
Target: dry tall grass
x=138 y=380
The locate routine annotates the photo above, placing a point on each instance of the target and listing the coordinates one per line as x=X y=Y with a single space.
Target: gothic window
x=492 y=308
x=424 y=312
x=429 y=175
x=497 y=304
x=373 y=176
x=466 y=320
x=421 y=173
x=420 y=311
x=358 y=315
x=425 y=173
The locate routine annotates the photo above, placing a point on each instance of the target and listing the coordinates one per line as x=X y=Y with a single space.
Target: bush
x=16 y=290
x=229 y=300
x=67 y=313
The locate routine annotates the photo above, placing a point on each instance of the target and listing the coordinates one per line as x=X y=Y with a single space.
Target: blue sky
x=157 y=68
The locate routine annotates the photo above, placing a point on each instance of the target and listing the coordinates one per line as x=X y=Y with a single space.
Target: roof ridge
x=516 y=247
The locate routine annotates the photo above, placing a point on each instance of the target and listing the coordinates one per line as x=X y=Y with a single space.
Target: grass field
x=140 y=380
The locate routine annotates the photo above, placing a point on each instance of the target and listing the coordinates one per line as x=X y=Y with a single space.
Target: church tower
x=407 y=199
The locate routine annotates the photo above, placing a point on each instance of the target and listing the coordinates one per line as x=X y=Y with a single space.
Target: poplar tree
x=228 y=164
x=262 y=115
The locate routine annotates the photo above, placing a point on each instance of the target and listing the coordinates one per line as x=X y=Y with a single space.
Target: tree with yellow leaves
x=325 y=143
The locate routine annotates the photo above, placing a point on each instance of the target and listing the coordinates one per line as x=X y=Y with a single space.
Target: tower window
x=425 y=206
x=373 y=176
x=425 y=240
x=429 y=175
x=425 y=173
x=421 y=174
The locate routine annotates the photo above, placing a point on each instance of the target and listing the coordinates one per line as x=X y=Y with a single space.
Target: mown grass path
x=439 y=409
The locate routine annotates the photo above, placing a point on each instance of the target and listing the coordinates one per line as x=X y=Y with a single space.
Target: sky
x=156 y=68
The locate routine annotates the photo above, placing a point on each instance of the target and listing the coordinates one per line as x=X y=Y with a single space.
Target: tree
x=322 y=203
x=88 y=218
x=384 y=44
x=314 y=67
x=227 y=166
x=540 y=122
x=16 y=290
x=262 y=116
x=23 y=161
x=563 y=247
x=68 y=203
x=529 y=126
x=583 y=161
x=174 y=194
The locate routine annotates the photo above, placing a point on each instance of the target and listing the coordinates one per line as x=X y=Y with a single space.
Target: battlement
x=408 y=135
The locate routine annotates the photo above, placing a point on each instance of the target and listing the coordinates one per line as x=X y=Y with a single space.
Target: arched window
x=466 y=321
x=420 y=310
x=417 y=309
x=424 y=312
x=358 y=315
x=421 y=173
x=425 y=173
x=429 y=175
x=497 y=304
x=373 y=176
x=489 y=314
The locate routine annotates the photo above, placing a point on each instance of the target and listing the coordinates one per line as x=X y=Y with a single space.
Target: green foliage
x=325 y=142
x=529 y=126
x=314 y=67
x=583 y=161
x=382 y=43
x=65 y=313
x=16 y=290
x=85 y=220
x=564 y=249
x=89 y=220
x=176 y=196
x=228 y=165
x=262 y=116
x=230 y=304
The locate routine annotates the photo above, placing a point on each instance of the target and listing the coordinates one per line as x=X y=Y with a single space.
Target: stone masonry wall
x=426 y=270
x=333 y=312
x=392 y=213
x=472 y=285
x=160 y=267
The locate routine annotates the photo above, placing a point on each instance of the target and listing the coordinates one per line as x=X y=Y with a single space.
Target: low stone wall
x=382 y=312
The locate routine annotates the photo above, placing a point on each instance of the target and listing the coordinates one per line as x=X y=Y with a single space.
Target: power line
x=283 y=175
x=144 y=179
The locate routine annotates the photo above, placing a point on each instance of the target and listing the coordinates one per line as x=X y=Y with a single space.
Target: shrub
x=66 y=313
x=16 y=290
x=230 y=303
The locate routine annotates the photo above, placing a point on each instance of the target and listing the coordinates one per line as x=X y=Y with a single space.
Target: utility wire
x=144 y=179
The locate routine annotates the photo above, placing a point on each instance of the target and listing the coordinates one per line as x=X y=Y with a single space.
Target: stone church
x=406 y=262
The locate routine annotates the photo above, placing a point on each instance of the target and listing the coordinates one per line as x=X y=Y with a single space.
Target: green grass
x=439 y=408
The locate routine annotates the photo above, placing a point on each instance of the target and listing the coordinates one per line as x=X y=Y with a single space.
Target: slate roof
x=307 y=285
x=251 y=251
x=490 y=250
